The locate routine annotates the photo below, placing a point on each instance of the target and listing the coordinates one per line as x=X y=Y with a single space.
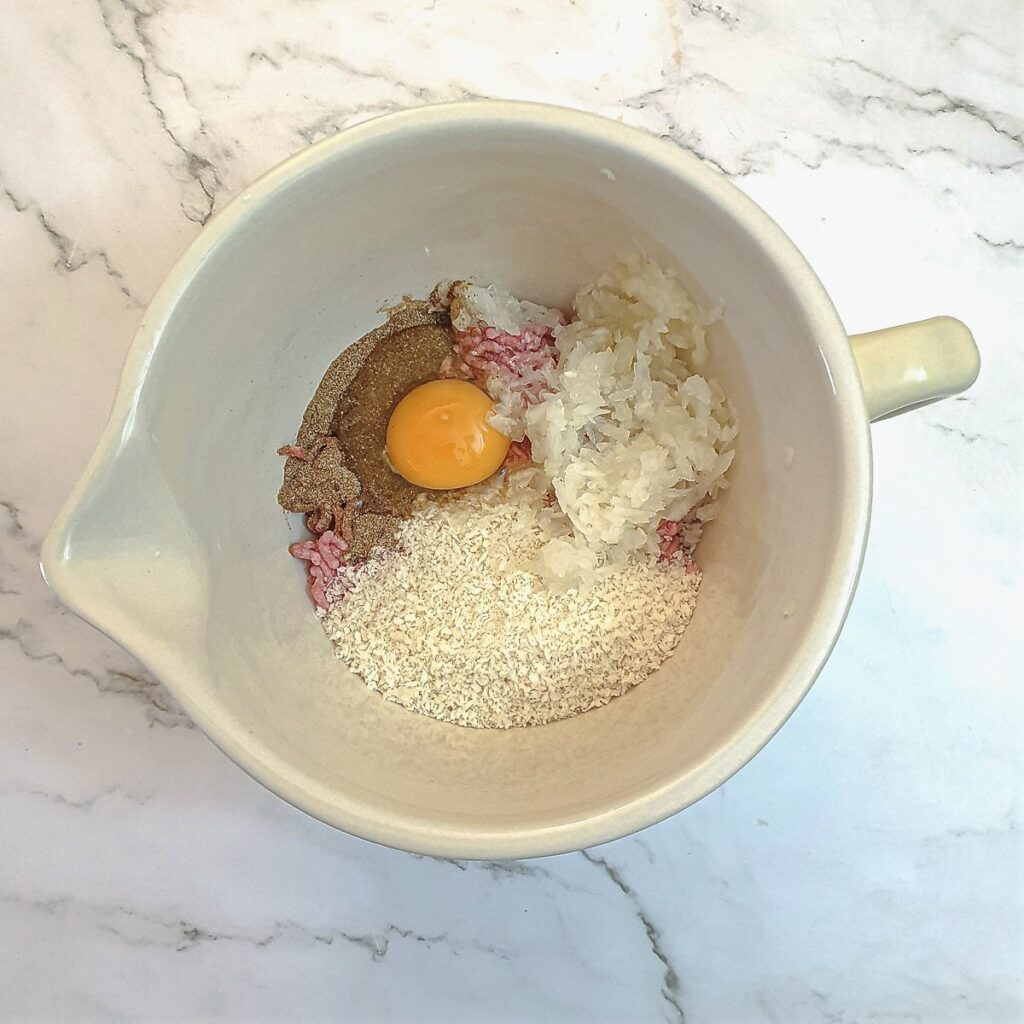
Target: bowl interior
x=178 y=549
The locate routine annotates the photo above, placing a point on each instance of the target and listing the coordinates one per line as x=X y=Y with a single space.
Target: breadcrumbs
x=455 y=625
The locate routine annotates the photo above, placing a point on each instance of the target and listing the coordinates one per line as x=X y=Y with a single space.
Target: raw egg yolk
x=438 y=436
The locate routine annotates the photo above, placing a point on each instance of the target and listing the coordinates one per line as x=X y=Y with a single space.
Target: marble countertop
x=865 y=867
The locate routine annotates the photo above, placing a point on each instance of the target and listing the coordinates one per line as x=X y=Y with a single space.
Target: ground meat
x=520 y=455
x=674 y=544
x=326 y=554
x=486 y=350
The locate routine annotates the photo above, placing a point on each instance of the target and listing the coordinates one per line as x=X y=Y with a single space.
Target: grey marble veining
x=866 y=867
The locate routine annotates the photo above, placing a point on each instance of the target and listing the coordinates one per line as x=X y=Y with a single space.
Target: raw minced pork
x=505 y=345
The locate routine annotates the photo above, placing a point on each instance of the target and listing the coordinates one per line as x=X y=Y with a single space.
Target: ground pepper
x=336 y=472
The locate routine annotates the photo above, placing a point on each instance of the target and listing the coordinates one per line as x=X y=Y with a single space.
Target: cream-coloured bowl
x=172 y=542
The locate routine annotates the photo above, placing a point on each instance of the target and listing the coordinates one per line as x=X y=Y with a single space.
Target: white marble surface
x=866 y=867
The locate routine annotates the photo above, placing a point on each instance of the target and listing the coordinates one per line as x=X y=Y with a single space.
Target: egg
x=438 y=436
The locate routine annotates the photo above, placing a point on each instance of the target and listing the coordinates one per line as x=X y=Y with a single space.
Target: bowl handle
x=904 y=367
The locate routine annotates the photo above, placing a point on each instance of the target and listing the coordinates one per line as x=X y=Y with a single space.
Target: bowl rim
x=805 y=661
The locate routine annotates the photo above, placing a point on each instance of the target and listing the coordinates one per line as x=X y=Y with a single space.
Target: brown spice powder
x=409 y=358
x=337 y=472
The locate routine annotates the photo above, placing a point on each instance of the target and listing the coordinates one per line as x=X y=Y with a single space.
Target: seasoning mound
x=335 y=472
x=455 y=624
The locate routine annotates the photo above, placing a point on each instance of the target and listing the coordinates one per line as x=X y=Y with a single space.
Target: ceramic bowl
x=173 y=545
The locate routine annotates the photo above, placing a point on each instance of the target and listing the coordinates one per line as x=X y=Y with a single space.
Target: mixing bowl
x=173 y=545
